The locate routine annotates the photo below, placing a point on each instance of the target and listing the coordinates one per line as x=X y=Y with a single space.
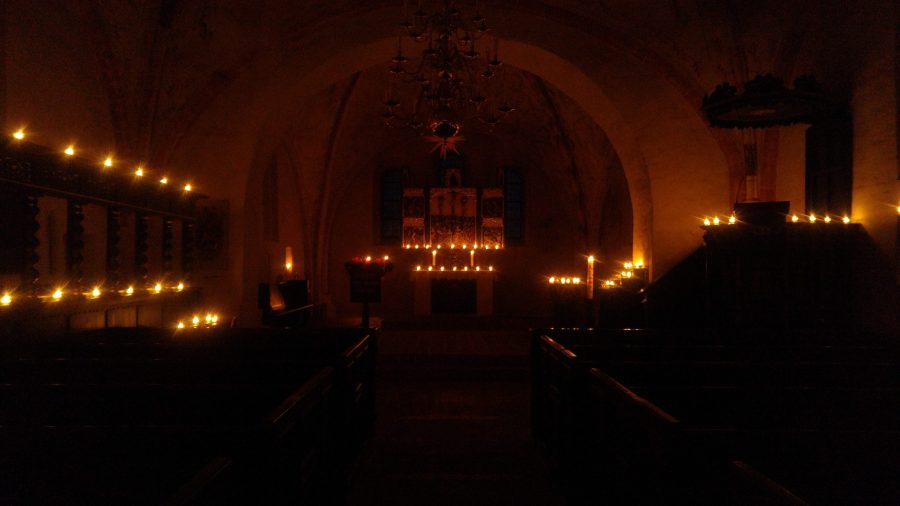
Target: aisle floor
x=453 y=424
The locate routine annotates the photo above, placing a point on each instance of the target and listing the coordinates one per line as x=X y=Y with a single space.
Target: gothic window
x=270 y=202
x=513 y=192
x=392 y=205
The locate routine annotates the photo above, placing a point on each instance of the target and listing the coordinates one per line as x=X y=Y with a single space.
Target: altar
x=453 y=292
x=453 y=235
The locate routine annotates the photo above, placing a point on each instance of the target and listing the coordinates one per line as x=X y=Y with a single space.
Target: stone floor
x=453 y=423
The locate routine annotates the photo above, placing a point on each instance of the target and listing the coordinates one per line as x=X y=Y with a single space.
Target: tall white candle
x=590 y=277
x=433 y=257
x=288 y=260
x=472 y=258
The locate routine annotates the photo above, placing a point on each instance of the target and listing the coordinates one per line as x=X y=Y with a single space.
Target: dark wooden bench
x=732 y=401
x=141 y=458
x=208 y=388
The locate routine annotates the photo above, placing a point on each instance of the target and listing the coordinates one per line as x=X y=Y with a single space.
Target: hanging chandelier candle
x=448 y=82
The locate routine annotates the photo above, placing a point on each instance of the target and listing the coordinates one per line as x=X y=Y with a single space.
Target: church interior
x=409 y=252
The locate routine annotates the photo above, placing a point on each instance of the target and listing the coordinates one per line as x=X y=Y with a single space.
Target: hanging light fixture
x=449 y=79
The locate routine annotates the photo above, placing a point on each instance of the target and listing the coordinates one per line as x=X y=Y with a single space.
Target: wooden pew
x=799 y=390
x=158 y=372
x=138 y=462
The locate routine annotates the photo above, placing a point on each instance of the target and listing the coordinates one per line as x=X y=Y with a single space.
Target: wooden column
x=31 y=243
x=113 y=237
x=187 y=248
x=75 y=243
x=168 y=246
x=141 y=246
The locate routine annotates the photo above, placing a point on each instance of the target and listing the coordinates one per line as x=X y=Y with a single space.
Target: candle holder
x=365 y=281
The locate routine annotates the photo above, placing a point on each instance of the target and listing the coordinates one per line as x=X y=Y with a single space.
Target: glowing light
x=438 y=246
x=108 y=162
x=496 y=246
x=466 y=268
x=187 y=187
x=288 y=266
x=19 y=134
x=215 y=319
x=70 y=150
x=491 y=268
x=576 y=280
x=452 y=246
x=6 y=299
x=795 y=218
x=478 y=268
x=475 y=245
x=129 y=290
x=706 y=222
x=464 y=246
x=639 y=264
x=812 y=218
x=629 y=265
x=417 y=246
x=164 y=180
x=208 y=318
x=139 y=172
x=180 y=325
x=732 y=219
x=430 y=268
x=418 y=267
x=58 y=294
x=195 y=320
x=157 y=288
x=827 y=219
x=180 y=287
x=846 y=219
x=95 y=292
x=716 y=220
x=386 y=258
x=454 y=267
x=442 y=268
x=368 y=259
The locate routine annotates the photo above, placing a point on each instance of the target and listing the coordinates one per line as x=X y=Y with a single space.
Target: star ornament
x=445 y=144
x=446 y=137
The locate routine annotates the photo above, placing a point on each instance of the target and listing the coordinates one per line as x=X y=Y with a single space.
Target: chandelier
x=449 y=80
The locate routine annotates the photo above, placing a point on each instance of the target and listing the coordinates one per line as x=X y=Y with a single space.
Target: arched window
x=392 y=205
x=513 y=198
x=270 y=202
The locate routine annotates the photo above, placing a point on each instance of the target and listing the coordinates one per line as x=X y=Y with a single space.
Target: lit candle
x=472 y=257
x=288 y=260
x=590 y=277
x=433 y=257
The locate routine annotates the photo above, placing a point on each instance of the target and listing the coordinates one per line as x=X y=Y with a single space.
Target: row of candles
x=432 y=268
x=107 y=163
x=97 y=292
x=210 y=320
x=626 y=273
x=811 y=218
x=453 y=246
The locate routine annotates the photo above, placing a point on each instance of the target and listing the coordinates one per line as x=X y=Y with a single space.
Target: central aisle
x=453 y=423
